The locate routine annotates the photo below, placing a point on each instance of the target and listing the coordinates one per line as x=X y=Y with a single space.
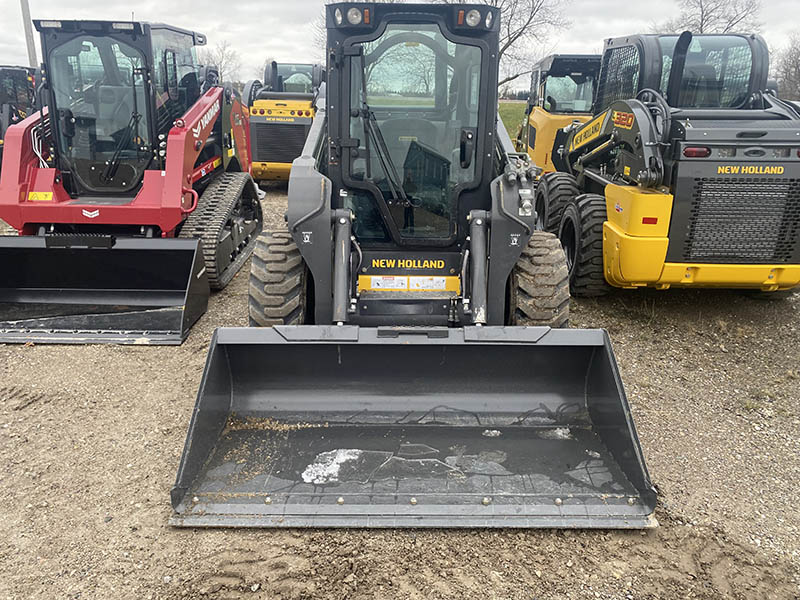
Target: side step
x=100 y=289
x=324 y=426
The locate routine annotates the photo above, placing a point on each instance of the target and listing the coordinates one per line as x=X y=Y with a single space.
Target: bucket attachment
x=82 y=289
x=325 y=426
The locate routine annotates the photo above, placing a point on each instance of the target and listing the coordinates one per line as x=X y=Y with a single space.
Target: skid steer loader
x=562 y=91
x=413 y=370
x=16 y=97
x=688 y=174
x=129 y=189
x=281 y=111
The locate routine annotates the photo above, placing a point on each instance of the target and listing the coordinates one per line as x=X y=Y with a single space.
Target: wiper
x=129 y=133
x=372 y=130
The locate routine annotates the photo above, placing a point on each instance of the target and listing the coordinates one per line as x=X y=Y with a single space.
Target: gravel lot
x=92 y=435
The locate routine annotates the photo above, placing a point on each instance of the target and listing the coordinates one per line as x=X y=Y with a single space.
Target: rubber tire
x=553 y=193
x=279 y=282
x=581 y=235
x=539 y=285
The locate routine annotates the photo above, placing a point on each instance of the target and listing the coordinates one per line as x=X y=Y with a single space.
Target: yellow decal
x=230 y=152
x=749 y=170
x=411 y=283
x=406 y=263
x=623 y=119
x=588 y=132
x=627 y=171
x=40 y=196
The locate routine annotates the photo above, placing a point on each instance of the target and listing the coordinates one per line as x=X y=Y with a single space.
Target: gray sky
x=283 y=28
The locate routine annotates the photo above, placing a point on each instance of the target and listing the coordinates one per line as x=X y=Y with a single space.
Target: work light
x=354 y=16
x=473 y=18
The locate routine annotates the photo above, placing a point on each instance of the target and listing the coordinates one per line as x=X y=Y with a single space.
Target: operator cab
x=115 y=90
x=413 y=159
x=564 y=83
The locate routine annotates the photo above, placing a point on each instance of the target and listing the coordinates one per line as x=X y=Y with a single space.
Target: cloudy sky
x=283 y=29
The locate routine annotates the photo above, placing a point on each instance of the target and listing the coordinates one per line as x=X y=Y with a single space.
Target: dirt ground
x=91 y=437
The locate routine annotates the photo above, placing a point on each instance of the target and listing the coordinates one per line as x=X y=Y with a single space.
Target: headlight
x=337 y=16
x=473 y=18
x=354 y=16
x=488 y=19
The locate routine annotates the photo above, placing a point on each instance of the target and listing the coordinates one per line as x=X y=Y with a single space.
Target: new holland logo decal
x=90 y=214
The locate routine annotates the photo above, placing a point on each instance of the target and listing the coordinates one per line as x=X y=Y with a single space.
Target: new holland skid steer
x=562 y=91
x=688 y=174
x=16 y=97
x=281 y=111
x=129 y=189
x=413 y=370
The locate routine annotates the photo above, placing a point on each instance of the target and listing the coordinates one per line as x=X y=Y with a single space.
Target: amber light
x=366 y=16
x=461 y=17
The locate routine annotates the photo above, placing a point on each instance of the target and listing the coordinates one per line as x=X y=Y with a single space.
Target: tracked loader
x=688 y=175
x=411 y=368
x=281 y=111
x=129 y=189
x=16 y=97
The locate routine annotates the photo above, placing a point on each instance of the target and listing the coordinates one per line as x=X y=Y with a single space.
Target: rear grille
x=278 y=142
x=752 y=220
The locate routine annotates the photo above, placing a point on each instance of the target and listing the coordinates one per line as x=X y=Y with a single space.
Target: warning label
x=389 y=282
x=427 y=283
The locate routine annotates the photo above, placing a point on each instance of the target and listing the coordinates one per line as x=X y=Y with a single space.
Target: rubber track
x=541 y=283
x=561 y=190
x=208 y=220
x=277 y=281
x=588 y=279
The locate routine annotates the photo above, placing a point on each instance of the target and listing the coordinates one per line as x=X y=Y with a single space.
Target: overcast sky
x=283 y=28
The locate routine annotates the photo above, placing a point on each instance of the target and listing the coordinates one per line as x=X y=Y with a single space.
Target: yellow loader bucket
x=325 y=426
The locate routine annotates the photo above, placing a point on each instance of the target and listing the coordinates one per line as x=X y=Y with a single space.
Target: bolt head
x=631 y=501
x=267 y=500
x=413 y=501
x=559 y=502
x=486 y=501
x=340 y=500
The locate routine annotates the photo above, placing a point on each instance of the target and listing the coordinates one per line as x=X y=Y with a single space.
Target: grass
x=512 y=112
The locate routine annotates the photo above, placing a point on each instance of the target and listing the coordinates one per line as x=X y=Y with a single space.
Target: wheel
x=228 y=219
x=581 y=235
x=553 y=193
x=279 y=282
x=539 y=285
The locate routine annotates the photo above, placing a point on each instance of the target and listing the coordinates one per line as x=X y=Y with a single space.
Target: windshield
x=422 y=92
x=716 y=74
x=296 y=78
x=569 y=93
x=16 y=90
x=104 y=134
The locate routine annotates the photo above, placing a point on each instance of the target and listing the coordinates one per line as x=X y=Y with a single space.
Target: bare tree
x=225 y=58
x=787 y=69
x=715 y=16
x=525 y=25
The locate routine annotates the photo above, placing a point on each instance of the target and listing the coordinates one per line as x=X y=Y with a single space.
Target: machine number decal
x=623 y=119
x=589 y=132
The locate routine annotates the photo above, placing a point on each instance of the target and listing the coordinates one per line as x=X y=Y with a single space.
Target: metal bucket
x=93 y=289
x=324 y=426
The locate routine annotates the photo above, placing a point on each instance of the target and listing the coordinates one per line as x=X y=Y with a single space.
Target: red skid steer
x=129 y=188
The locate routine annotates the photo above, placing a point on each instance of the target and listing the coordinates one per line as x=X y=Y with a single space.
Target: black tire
x=279 y=282
x=581 y=235
x=539 y=287
x=553 y=193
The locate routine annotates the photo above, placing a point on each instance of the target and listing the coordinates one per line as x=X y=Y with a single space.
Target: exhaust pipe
x=100 y=289
x=326 y=426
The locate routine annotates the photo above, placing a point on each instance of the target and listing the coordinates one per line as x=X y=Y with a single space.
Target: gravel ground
x=92 y=435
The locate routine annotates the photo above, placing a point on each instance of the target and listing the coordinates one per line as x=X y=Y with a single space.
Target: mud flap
x=324 y=426
x=96 y=289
